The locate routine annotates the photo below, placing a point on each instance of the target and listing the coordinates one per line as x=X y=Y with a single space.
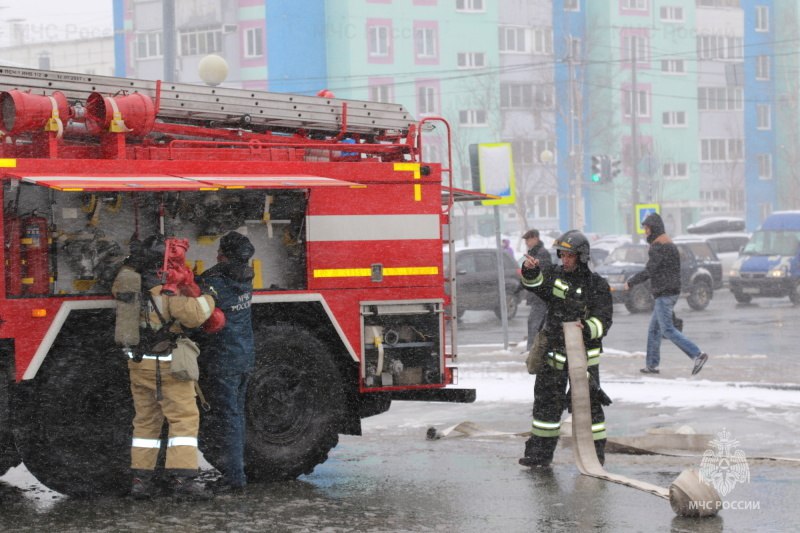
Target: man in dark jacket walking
x=538 y=308
x=663 y=269
x=228 y=359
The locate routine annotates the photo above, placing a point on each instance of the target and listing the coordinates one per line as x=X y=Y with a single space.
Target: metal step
x=187 y=103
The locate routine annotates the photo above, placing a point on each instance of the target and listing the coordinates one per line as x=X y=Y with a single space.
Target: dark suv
x=476 y=282
x=701 y=273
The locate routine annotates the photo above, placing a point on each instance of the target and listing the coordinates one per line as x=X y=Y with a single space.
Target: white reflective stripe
x=593 y=352
x=182 y=441
x=166 y=358
x=204 y=306
x=559 y=357
x=323 y=228
x=546 y=425
x=535 y=282
x=598 y=427
x=137 y=442
x=596 y=327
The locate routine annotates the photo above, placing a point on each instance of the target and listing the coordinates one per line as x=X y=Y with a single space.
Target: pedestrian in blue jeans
x=663 y=269
x=227 y=360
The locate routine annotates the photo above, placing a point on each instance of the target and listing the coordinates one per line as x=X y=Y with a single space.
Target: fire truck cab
x=349 y=303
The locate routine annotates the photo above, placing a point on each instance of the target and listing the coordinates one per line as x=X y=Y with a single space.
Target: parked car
x=476 y=282
x=726 y=245
x=770 y=263
x=716 y=225
x=701 y=274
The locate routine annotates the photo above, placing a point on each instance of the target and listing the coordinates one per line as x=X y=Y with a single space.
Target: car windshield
x=773 y=243
x=628 y=254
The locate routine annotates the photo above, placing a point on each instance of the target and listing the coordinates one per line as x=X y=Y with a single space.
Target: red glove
x=215 y=322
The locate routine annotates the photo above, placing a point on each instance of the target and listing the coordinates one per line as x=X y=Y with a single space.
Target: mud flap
x=688 y=495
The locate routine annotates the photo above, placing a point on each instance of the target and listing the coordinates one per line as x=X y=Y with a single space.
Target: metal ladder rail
x=197 y=103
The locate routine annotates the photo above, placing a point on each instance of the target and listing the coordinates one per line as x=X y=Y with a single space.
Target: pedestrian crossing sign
x=642 y=211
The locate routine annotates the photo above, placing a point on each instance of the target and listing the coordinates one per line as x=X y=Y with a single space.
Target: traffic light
x=616 y=168
x=597 y=168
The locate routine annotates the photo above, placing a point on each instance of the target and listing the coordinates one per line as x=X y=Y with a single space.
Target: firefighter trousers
x=178 y=406
x=549 y=398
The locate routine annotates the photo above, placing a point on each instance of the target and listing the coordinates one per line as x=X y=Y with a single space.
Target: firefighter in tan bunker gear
x=157 y=395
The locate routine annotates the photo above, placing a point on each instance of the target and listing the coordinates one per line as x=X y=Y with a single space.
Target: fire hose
x=688 y=494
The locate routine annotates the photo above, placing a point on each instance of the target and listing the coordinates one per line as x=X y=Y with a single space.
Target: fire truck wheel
x=72 y=422
x=8 y=453
x=294 y=402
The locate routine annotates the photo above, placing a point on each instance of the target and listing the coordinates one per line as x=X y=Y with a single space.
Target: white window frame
x=542 y=40
x=675 y=170
x=471 y=60
x=425 y=43
x=378 y=40
x=516 y=95
x=671 y=13
x=254 y=42
x=544 y=96
x=642 y=44
x=635 y=5
x=513 y=40
x=149 y=45
x=764 y=166
x=762 y=68
x=673 y=119
x=642 y=103
x=470 y=6
x=673 y=67
x=762 y=19
x=426 y=100
x=473 y=117
x=763 y=116
x=200 y=41
x=545 y=206
x=381 y=92
x=720 y=47
x=720 y=98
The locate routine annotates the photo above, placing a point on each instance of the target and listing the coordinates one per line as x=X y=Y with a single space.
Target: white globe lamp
x=212 y=69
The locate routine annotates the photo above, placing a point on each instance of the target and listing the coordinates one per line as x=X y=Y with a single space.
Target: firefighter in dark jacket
x=228 y=358
x=157 y=395
x=663 y=269
x=572 y=292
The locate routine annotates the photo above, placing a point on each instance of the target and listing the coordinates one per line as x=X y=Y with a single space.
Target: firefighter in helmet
x=157 y=395
x=573 y=293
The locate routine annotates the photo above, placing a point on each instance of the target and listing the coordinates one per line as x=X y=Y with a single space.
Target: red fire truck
x=350 y=301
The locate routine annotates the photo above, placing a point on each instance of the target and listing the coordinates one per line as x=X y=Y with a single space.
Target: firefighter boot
x=186 y=487
x=143 y=485
x=600 y=448
x=535 y=454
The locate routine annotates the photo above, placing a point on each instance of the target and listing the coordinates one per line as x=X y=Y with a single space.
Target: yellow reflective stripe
x=367 y=272
x=545 y=429
x=535 y=282
x=599 y=431
x=560 y=289
x=411 y=167
x=8 y=163
x=595 y=327
x=546 y=425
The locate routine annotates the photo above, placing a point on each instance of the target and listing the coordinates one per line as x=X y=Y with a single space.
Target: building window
x=674 y=119
x=673 y=66
x=546 y=206
x=720 y=98
x=762 y=18
x=720 y=150
x=200 y=42
x=426 y=45
x=528 y=152
x=634 y=5
x=640 y=44
x=713 y=47
x=765 y=166
x=472 y=117
x=642 y=102
x=544 y=96
x=516 y=95
x=671 y=14
x=512 y=39
x=148 y=45
x=254 y=42
x=719 y=3
x=471 y=6
x=675 y=171
x=381 y=90
x=764 y=112
x=378 y=40
x=471 y=60
x=542 y=40
x=762 y=67
x=426 y=100
x=572 y=5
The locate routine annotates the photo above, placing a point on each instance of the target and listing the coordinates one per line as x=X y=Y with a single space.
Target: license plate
x=750 y=290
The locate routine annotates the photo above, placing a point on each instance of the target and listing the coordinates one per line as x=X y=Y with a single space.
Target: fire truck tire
x=294 y=401
x=8 y=453
x=72 y=426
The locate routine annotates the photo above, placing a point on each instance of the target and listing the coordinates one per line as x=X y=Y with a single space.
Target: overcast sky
x=57 y=19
